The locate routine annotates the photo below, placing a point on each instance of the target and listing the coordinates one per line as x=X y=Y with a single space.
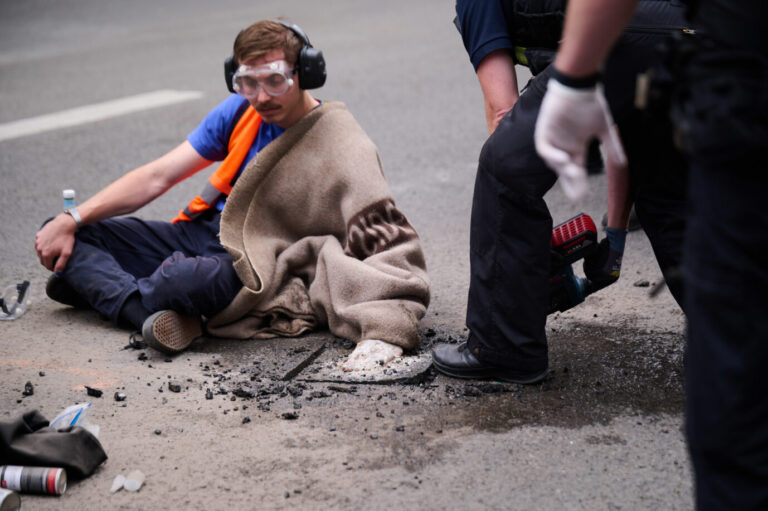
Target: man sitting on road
x=310 y=234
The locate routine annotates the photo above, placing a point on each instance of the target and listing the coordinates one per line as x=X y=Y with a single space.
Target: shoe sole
x=490 y=374
x=170 y=332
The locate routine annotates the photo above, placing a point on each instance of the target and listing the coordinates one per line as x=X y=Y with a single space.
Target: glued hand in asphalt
x=568 y=120
x=371 y=354
x=54 y=242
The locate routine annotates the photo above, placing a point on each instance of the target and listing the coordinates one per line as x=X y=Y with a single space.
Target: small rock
x=244 y=391
x=41 y=373
x=290 y=416
x=174 y=386
x=642 y=283
x=93 y=392
x=490 y=388
x=341 y=388
x=400 y=428
x=246 y=420
x=471 y=391
x=120 y=396
x=374 y=437
x=158 y=432
x=29 y=389
x=208 y=394
x=142 y=356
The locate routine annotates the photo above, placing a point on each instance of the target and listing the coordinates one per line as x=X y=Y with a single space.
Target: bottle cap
x=68 y=193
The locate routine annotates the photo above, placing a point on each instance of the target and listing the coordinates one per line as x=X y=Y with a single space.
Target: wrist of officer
x=581 y=83
x=617 y=238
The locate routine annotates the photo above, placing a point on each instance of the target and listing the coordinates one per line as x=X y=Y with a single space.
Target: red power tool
x=572 y=240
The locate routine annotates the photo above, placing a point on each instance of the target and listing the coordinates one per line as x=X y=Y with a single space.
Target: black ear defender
x=230 y=68
x=310 y=64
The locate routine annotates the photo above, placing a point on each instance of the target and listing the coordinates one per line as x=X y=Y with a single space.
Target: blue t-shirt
x=483 y=28
x=211 y=138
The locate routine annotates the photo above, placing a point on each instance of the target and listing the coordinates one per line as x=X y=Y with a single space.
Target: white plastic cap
x=68 y=193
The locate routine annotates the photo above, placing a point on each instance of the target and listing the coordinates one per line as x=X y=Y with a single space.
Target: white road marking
x=95 y=112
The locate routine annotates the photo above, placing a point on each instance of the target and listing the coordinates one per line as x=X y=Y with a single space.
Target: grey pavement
x=602 y=432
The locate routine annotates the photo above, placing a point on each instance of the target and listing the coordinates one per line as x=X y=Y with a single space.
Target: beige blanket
x=316 y=239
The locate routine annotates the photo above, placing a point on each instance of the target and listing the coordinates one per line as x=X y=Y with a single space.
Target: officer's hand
x=568 y=120
x=54 y=242
x=603 y=268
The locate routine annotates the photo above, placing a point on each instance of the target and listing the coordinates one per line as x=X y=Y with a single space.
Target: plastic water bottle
x=69 y=198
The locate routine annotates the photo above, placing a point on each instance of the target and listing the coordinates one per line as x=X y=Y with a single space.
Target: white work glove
x=568 y=119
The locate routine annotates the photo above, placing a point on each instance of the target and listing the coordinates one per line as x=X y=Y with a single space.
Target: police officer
x=721 y=114
x=511 y=225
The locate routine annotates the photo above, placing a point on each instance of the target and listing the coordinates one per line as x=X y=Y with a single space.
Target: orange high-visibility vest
x=221 y=181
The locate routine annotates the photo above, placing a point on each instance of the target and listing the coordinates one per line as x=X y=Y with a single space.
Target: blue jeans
x=178 y=266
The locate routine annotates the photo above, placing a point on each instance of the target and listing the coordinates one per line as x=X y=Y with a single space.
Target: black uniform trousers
x=724 y=121
x=511 y=225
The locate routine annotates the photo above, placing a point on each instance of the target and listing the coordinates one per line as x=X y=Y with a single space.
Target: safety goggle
x=273 y=77
x=14 y=301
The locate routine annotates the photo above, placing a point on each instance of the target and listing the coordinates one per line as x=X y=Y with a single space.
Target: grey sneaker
x=170 y=332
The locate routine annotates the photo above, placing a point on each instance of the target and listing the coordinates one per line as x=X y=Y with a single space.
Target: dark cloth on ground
x=28 y=441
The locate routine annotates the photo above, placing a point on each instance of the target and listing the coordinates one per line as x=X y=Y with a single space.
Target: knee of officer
x=510 y=158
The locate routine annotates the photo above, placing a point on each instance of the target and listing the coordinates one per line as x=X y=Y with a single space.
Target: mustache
x=267 y=106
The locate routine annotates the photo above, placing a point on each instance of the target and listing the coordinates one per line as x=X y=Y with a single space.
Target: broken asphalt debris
x=93 y=391
x=231 y=382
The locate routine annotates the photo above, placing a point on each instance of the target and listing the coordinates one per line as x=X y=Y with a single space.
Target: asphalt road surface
x=90 y=89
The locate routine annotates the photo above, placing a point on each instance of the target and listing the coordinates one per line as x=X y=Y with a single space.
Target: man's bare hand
x=54 y=242
x=370 y=354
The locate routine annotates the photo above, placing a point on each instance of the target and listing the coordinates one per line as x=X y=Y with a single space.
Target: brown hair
x=263 y=37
